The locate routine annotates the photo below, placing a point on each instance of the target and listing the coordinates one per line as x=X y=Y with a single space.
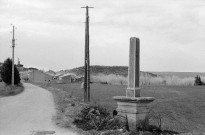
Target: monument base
x=136 y=109
x=133 y=92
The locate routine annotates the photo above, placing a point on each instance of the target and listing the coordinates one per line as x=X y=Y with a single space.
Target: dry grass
x=144 y=80
x=110 y=79
x=168 y=80
x=203 y=79
x=182 y=103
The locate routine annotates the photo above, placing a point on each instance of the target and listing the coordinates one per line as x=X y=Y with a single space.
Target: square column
x=133 y=89
x=133 y=105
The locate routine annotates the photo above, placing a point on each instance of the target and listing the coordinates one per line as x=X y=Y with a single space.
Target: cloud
x=55 y=28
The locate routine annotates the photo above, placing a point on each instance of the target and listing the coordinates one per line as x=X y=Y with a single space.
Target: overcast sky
x=50 y=33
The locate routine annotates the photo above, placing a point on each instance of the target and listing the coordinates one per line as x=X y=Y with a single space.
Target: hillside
x=50 y=72
x=117 y=70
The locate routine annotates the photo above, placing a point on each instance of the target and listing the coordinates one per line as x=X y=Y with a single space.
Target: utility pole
x=87 y=58
x=13 y=45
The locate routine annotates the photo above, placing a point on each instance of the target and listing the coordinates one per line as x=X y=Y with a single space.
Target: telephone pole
x=13 y=45
x=87 y=58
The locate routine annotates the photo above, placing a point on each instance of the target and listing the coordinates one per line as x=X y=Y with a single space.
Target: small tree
x=6 y=72
x=198 y=81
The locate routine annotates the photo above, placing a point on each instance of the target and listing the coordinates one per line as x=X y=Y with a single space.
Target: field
x=181 y=107
x=180 y=74
x=170 y=80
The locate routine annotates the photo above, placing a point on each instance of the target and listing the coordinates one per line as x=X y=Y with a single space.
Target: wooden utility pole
x=13 y=45
x=87 y=58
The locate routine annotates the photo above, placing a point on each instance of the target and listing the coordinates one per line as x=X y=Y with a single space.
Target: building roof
x=29 y=71
x=68 y=74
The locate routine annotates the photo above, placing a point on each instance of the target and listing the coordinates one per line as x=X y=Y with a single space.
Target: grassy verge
x=8 y=90
x=181 y=107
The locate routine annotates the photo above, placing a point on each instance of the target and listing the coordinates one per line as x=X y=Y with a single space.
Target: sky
x=51 y=33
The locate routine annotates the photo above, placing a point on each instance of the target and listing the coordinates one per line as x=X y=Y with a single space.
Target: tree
x=6 y=72
x=198 y=81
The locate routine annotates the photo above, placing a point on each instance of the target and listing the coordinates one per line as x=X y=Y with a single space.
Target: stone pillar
x=132 y=105
x=133 y=89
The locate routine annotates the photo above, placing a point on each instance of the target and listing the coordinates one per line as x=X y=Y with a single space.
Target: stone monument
x=133 y=105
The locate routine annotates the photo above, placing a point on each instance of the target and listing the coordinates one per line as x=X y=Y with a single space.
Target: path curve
x=28 y=112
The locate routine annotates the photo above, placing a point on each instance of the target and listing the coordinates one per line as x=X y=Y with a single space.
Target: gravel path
x=29 y=113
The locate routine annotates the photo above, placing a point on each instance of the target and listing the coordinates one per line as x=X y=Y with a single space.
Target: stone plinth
x=136 y=108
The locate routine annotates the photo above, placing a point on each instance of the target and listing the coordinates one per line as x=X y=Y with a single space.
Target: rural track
x=29 y=113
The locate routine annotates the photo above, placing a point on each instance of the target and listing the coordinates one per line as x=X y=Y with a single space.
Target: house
x=39 y=76
x=67 y=78
x=79 y=79
x=24 y=75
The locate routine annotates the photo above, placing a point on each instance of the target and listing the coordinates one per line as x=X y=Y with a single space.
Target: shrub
x=198 y=81
x=96 y=117
x=6 y=72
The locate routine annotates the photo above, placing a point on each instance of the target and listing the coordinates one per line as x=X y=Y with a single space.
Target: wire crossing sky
x=51 y=33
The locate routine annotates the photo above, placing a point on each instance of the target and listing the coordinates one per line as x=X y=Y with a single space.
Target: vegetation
x=109 y=79
x=181 y=107
x=6 y=72
x=66 y=105
x=96 y=117
x=180 y=74
x=198 y=81
x=146 y=80
x=167 y=80
x=7 y=90
x=106 y=70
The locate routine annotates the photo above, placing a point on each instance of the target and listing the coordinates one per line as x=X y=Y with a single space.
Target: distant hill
x=117 y=70
x=50 y=72
x=180 y=74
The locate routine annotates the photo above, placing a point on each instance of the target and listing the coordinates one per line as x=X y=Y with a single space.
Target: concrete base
x=136 y=108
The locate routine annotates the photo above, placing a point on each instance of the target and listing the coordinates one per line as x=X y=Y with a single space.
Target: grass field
x=170 y=80
x=182 y=108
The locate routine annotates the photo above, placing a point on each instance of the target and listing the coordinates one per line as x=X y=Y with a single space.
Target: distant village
x=36 y=75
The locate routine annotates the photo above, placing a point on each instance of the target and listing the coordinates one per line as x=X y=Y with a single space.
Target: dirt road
x=29 y=113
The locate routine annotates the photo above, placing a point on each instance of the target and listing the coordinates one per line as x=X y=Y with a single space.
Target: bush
x=96 y=117
x=6 y=72
x=198 y=81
